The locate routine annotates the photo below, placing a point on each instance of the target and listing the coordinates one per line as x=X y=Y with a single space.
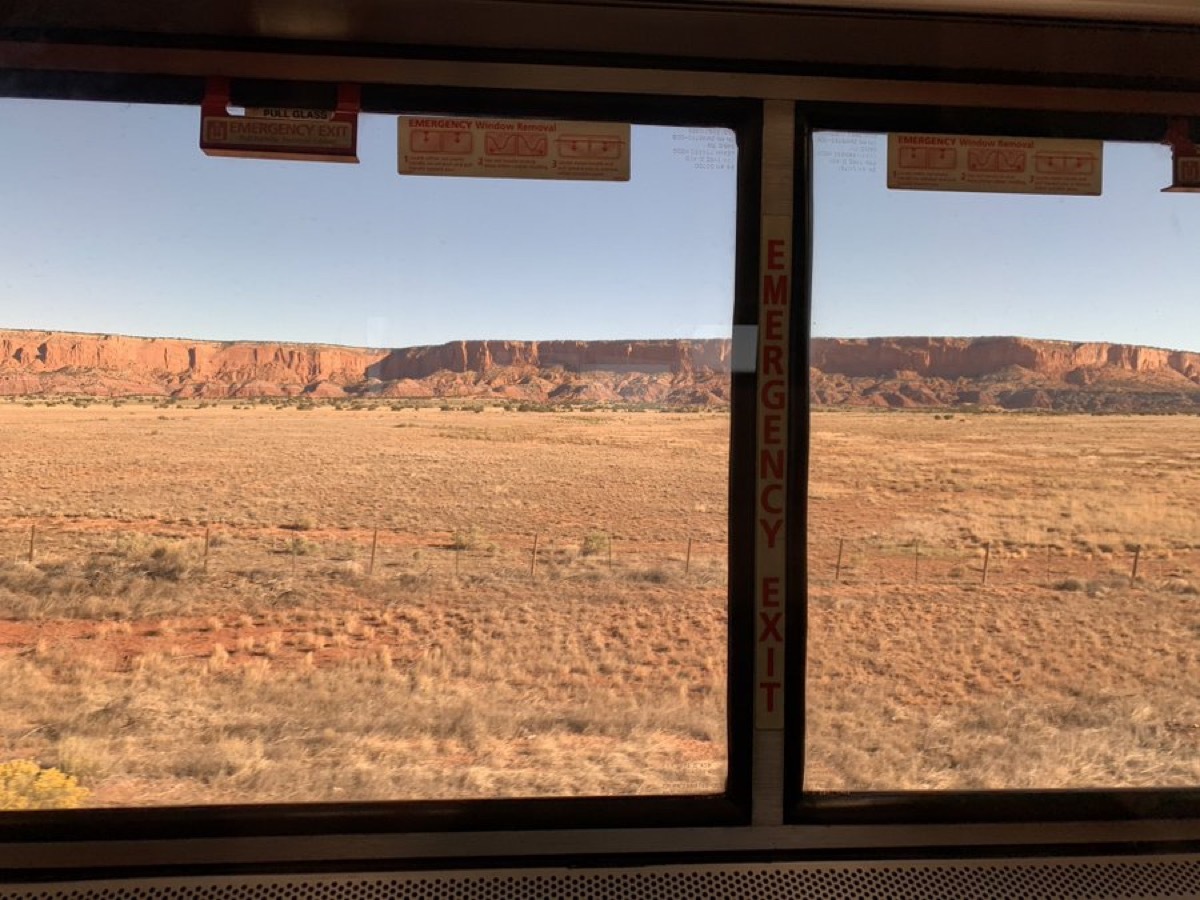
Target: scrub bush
x=26 y=785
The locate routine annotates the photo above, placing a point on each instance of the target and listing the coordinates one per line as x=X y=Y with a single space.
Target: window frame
x=1046 y=807
x=731 y=807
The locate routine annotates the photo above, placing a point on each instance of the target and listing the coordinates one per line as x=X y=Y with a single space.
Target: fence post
x=207 y=544
x=374 y=547
x=916 y=560
x=32 y=537
x=456 y=552
x=1049 y=551
x=610 y=543
x=987 y=557
x=687 y=561
x=1137 y=553
x=533 y=556
x=837 y=569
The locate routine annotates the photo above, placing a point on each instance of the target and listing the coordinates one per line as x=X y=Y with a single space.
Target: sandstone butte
x=671 y=372
x=933 y=372
x=1003 y=372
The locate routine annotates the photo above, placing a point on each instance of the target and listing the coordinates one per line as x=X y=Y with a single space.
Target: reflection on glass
x=323 y=484
x=1004 y=501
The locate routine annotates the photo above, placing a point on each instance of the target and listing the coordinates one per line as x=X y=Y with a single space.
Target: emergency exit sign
x=995 y=165
x=317 y=135
x=513 y=148
x=1186 y=174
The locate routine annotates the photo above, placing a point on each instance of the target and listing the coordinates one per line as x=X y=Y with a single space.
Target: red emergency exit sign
x=1185 y=174
x=272 y=133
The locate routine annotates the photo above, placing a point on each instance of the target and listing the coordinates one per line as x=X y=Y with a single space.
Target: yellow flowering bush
x=26 y=785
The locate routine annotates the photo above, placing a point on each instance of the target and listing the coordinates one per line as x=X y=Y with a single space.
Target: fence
x=216 y=549
x=212 y=550
x=849 y=562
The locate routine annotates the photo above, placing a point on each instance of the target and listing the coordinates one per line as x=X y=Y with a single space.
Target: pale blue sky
x=1123 y=267
x=117 y=223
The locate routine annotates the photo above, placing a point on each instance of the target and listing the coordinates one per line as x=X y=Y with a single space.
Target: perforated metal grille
x=1163 y=877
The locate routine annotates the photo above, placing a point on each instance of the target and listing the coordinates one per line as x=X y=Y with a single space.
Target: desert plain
x=369 y=620
x=272 y=601
x=1016 y=604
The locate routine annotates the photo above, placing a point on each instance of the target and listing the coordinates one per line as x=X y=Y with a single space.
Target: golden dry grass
x=1062 y=670
x=292 y=667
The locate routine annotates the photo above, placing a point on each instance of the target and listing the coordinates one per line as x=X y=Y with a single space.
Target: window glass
x=321 y=483
x=1004 y=489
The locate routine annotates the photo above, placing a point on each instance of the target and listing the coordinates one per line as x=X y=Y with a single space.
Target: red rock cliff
x=953 y=358
x=675 y=356
x=63 y=363
x=1013 y=373
x=920 y=371
x=44 y=352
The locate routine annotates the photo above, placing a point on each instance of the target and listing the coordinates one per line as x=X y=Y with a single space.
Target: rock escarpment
x=1004 y=372
x=932 y=372
x=673 y=372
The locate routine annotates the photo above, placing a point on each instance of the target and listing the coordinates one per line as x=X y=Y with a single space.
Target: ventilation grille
x=1160 y=877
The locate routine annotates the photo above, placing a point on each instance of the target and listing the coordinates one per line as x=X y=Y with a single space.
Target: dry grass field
x=1062 y=669
x=370 y=622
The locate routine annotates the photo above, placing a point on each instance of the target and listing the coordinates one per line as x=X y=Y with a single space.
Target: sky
x=117 y=223
x=1123 y=267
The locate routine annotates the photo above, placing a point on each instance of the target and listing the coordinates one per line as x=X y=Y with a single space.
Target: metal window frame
x=728 y=808
x=1045 y=812
x=731 y=90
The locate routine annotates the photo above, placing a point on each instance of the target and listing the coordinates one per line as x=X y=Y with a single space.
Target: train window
x=328 y=484
x=1003 y=526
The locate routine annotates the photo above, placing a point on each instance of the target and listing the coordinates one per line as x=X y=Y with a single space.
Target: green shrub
x=26 y=785
x=655 y=575
x=471 y=539
x=594 y=543
x=159 y=558
x=298 y=546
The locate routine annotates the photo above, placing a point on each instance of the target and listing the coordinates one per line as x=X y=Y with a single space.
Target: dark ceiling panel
x=385 y=20
x=1149 y=11
x=760 y=36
